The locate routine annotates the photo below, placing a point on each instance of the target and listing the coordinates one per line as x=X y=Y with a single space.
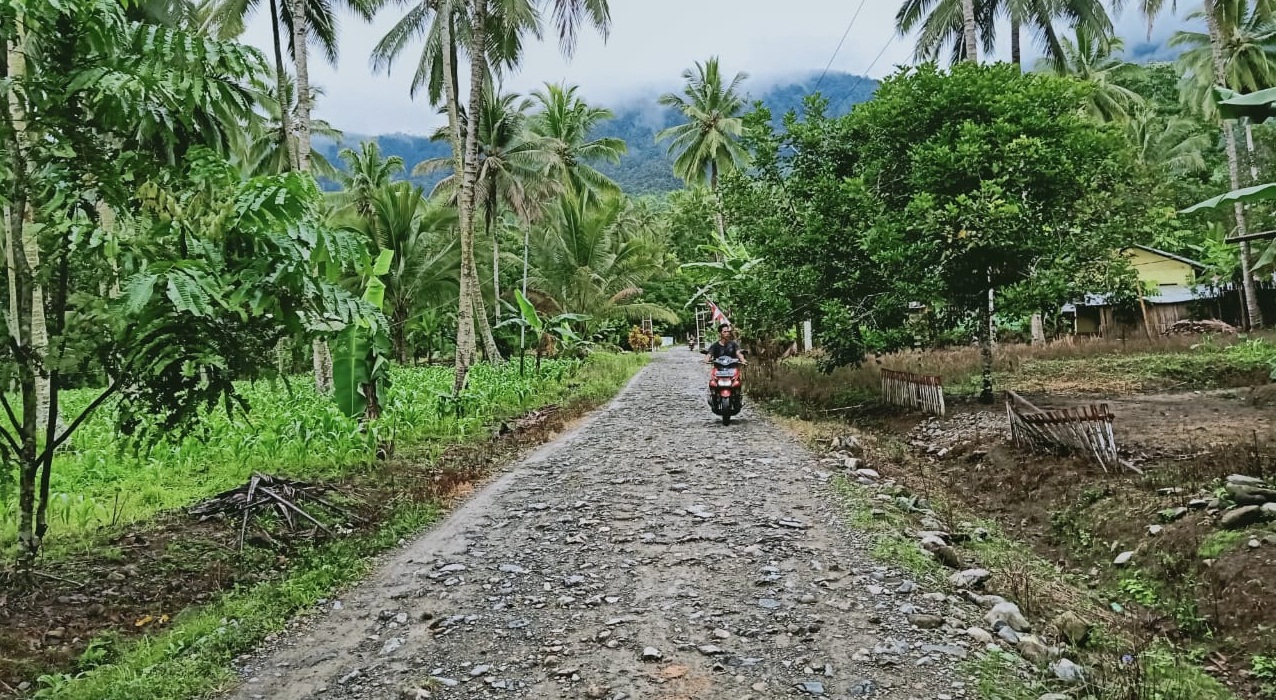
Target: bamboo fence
x=923 y=392
x=1085 y=429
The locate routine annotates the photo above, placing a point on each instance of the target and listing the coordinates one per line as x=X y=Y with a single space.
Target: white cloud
x=651 y=43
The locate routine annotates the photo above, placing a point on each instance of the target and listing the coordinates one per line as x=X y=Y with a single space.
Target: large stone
x=970 y=578
x=1072 y=628
x=948 y=557
x=1033 y=650
x=926 y=622
x=1244 y=480
x=1067 y=671
x=1250 y=495
x=1241 y=518
x=1123 y=558
x=980 y=635
x=1008 y=613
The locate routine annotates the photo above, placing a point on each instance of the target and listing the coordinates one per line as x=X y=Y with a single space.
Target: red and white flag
x=717 y=317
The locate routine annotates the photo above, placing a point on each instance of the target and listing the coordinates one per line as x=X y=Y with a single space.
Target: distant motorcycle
x=725 y=397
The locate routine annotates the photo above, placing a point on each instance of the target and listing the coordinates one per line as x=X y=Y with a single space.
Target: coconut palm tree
x=491 y=35
x=425 y=268
x=489 y=24
x=1174 y=145
x=367 y=172
x=1248 y=47
x=586 y=263
x=708 y=143
x=565 y=122
x=514 y=172
x=965 y=26
x=256 y=147
x=1092 y=59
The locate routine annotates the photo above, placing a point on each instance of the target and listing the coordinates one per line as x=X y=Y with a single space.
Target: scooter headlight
x=724 y=382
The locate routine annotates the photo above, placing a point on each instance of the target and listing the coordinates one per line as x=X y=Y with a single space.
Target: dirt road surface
x=650 y=553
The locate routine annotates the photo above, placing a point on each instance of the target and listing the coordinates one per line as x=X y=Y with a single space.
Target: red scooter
x=724 y=388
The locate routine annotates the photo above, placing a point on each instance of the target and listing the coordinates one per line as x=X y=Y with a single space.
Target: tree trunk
x=300 y=33
x=496 y=256
x=469 y=183
x=467 y=160
x=717 y=211
x=281 y=87
x=1252 y=311
x=22 y=282
x=1016 y=49
x=985 y=353
x=323 y=366
x=522 y=329
x=39 y=339
x=969 y=36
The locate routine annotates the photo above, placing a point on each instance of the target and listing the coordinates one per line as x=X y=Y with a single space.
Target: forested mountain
x=646 y=168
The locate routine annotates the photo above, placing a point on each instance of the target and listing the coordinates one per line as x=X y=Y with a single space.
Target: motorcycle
x=724 y=388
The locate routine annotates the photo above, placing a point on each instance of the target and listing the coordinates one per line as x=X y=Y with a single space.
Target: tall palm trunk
x=489 y=213
x=1254 y=315
x=1016 y=48
x=970 y=38
x=300 y=34
x=305 y=102
x=465 y=338
x=717 y=198
x=281 y=86
x=469 y=179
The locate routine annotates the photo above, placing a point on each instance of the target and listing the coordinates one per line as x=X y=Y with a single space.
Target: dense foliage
x=994 y=180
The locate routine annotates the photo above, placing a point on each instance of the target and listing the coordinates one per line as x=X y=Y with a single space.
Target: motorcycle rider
x=726 y=345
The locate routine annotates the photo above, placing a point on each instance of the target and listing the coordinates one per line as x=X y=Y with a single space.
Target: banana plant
x=361 y=354
x=543 y=327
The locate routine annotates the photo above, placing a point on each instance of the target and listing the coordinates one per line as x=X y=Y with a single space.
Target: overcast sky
x=651 y=42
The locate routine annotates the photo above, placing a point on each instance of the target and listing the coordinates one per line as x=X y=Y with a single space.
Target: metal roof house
x=1177 y=296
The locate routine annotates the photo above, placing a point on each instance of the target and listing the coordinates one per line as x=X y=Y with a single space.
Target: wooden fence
x=1087 y=429
x=923 y=392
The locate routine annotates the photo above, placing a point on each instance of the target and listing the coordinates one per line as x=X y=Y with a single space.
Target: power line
x=839 y=44
x=881 y=53
x=890 y=40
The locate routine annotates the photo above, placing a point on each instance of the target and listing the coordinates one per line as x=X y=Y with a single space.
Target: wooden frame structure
x=921 y=391
x=1086 y=429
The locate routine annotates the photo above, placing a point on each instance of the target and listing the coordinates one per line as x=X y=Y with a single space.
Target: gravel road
x=649 y=553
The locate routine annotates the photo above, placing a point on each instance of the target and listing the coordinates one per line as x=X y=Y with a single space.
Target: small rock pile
x=960 y=432
x=1255 y=502
x=986 y=622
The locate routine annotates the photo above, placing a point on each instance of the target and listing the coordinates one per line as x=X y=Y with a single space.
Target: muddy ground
x=652 y=553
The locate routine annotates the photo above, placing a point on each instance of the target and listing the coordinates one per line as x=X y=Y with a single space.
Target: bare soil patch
x=1207 y=588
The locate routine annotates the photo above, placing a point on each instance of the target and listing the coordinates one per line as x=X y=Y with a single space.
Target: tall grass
x=1073 y=365
x=289 y=430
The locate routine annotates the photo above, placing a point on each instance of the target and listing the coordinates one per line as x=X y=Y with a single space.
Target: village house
x=1177 y=296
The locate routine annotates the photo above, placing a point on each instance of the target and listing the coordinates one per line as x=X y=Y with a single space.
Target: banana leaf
x=351 y=369
x=1257 y=107
x=1245 y=195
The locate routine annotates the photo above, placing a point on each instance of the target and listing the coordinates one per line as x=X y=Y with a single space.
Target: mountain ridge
x=646 y=168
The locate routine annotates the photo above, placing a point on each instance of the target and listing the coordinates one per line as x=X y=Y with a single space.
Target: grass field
x=290 y=430
x=1061 y=368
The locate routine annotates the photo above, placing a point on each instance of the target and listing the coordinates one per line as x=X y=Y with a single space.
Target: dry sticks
x=923 y=392
x=1087 y=429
